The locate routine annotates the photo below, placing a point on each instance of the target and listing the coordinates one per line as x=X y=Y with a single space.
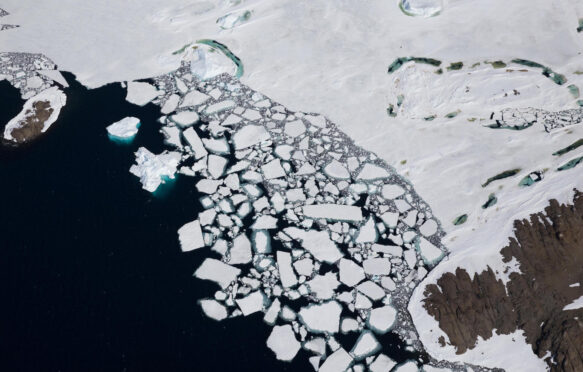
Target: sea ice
x=377 y=266
x=366 y=345
x=195 y=143
x=218 y=272
x=339 y=361
x=318 y=243
x=350 y=273
x=381 y=319
x=185 y=118
x=382 y=364
x=333 y=212
x=249 y=135
x=190 y=236
x=323 y=286
x=213 y=309
x=429 y=252
x=140 y=93
x=368 y=232
x=126 y=128
x=371 y=172
x=273 y=170
x=252 y=303
x=335 y=169
x=240 y=251
x=283 y=342
x=286 y=274
x=409 y=366
x=324 y=317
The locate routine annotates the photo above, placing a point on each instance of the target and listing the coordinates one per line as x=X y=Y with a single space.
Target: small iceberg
x=124 y=130
x=153 y=169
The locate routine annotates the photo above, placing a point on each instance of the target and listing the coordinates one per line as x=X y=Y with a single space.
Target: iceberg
x=152 y=169
x=126 y=128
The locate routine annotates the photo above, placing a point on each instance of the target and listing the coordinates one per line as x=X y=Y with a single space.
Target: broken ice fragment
x=190 y=236
x=382 y=364
x=140 y=93
x=382 y=319
x=366 y=345
x=219 y=107
x=185 y=118
x=273 y=170
x=216 y=165
x=323 y=286
x=428 y=228
x=339 y=361
x=377 y=266
x=333 y=212
x=213 y=309
x=371 y=172
x=371 y=290
x=286 y=274
x=195 y=143
x=218 y=272
x=240 y=251
x=350 y=273
x=429 y=252
x=336 y=170
x=264 y=222
x=283 y=342
x=320 y=318
x=252 y=303
x=194 y=98
x=295 y=128
x=272 y=312
x=318 y=243
x=249 y=135
x=368 y=232
x=409 y=366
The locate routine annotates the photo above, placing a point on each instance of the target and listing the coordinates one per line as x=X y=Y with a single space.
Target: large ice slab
x=283 y=342
x=339 y=361
x=140 y=93
x=218 y=272
x=249 y=135
x=323 y=317
x=190 y=236
x=333 y=212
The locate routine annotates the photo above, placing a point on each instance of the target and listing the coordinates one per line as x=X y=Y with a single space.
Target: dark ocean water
x=91 y=273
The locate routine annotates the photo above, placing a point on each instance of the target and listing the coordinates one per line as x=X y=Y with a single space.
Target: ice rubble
x=284 y=172
x=124 y=129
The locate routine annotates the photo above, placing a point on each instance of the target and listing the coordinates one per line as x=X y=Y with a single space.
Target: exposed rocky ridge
x=549 y=252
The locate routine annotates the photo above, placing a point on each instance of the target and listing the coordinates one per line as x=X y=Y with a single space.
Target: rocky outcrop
x=549 y=250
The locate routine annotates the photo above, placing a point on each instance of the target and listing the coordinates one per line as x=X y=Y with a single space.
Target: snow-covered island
x=125 y=129
x=37 y=115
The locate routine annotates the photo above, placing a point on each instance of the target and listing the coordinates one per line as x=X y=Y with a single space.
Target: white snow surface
x=125 y=128
x=349 y=52
x=56 y=98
